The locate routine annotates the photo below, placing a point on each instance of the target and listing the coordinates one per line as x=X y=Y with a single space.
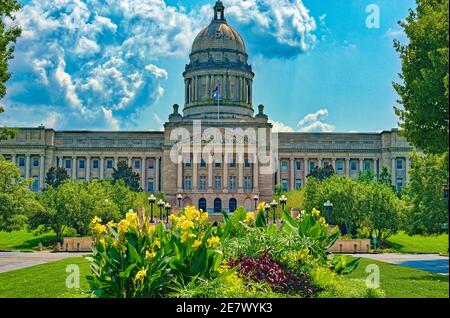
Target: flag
x=216 y=91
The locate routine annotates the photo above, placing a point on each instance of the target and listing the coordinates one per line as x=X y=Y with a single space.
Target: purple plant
x=266 y=269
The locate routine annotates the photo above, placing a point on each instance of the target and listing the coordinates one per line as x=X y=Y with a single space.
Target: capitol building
x=218 y=95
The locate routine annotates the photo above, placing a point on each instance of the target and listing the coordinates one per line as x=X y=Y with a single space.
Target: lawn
x=24 y=240
x=404 y=282
x=419 y=243
x=44 y=281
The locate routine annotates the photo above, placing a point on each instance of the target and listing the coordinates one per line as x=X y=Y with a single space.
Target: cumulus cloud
x=280 y=127
x=314 y=122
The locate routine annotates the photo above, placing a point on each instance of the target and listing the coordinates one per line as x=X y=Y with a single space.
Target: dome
x=219 y=35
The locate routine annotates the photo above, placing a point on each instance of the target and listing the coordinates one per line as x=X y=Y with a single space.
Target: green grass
x=404 y=282
x=24 y=240
x=44 y=281
x=419 y=243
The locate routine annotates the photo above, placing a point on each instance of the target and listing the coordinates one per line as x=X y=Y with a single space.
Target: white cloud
x=314 y=122
x=280 y=127
x=395 y=33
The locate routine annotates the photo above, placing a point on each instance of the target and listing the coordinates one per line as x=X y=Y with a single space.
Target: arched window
x=232 y=205
x=217 y=205
x=202 y=204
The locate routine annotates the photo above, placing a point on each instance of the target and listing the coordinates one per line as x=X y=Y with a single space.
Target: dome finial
x=219 y=11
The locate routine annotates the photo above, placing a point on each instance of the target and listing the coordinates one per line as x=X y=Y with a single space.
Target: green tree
x=429 y=208
x=8 y=38
x=125 y=173
x=424 y=114
x=366 y=176
x=56 y=176
x=322 y=173
x=16 y=198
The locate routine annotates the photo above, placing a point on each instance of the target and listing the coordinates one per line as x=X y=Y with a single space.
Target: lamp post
x=328 y=207
x=256 y=198
x=161 y=205
x=274 y=206
x=168 y=207
x=179 y=198
x=151 y=201
x=283 y=201
x=267 y=209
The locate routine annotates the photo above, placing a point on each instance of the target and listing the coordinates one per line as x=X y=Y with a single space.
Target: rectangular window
x=284 y=165
x=232 y=183
x=150 y=185
x=298 y=165
x=367 y=165
x=95 y=164
x=399 y=183
x=109 y=164
x=151 y=164
x=137 y=164
x=248 y=184
x=187 y=162
x=203 y=183
x=187 y=183
x=312 y=165
x=285 y=185
x=233 y=163
x=325 y=164
x=21 y=162
x=354 y=165
x=218 y=183
x=81 y=164
x=218 y=164
x=35 y=184
x=202 y=163
x=35 y=162
x=339 y=165
x=399 y=164
x=247 y=163
x=298 y=184
x=68 y=164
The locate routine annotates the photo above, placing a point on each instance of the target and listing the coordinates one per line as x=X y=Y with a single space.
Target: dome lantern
x=219 y=11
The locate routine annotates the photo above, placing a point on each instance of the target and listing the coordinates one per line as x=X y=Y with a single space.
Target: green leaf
x=260 y=220
x=134 y=254
x=289 y=220
x=127 y=271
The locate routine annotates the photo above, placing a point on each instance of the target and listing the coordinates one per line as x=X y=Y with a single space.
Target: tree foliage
x=423 y=92
x=125 y=173
x=322 y=173
x=56 y=176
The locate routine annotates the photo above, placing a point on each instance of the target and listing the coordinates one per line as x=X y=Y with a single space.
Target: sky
x=320 y=65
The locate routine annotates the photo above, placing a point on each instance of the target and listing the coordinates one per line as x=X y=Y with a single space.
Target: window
x=187 y=162
x=68 y=164
x=399 y=183
x=202 y=204
x=284 y=185
x=247 y=163
x=232 y=205
x=81 y=164
x=95 y=164
x=203 y=183
x=150 y=185
x=312 y=165
x=21 y=162
x=218 y=183
x=35 y=184
x=137 y=164
x=233 y=163
x=248 y=184
x=284 y=165
x=35 y=162
x=232 y=183
x=218 y=164
x=151 y=164
x=298 y=165
x=188 y=183
x=367 y=165
x=339 y=165
x=109 y=164
x=202 y=163
x=354 y=165
x=217 y=205
x=298 y=184
x=399 y=164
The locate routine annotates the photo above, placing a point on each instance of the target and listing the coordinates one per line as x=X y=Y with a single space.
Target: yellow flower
x=250 y=217
x=185 y=225
x=123 y=226
x=261 y=206
x=196 y=244
x=140 y=275
x=99 y=228
x=150 y=255
x=186 y=236
x=191 y=213
x=322 y=221
x=151 y=228
x=203 y=216
x=132 y=218
x=315 y=212
x=173 y=218
x=213 y=241
x=96 y=220
x=111 y=223
x=157 y=243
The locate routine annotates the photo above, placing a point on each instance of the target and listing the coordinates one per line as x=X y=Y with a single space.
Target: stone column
x=208 y=87
x=305 y=170
x=347 y=167
x=143 y=169
x=393 y=171
x=88 y=168
x=279 y=171
x=130 y=162
x=27 y=166
x=180 y=174
x=241 y=171
x=319 y=162
x=333 y=163
x=13 y=158
x=361 y=165
x=42 y=172
x=210 y=174
x=255 y=174
x=195 y=171
x=407 y=168
x=250 y=91
x=116 y=162
x=102 y=167
x=292 y=176
x=375 y=168
x=157 y=174
x=74 y=167
x=61 y=161
x=225 y=172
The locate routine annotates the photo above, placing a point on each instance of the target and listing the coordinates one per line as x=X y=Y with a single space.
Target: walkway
x=428 y=262
x=15 y=260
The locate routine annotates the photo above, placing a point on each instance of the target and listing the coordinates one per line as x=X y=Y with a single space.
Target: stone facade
x=218 y=59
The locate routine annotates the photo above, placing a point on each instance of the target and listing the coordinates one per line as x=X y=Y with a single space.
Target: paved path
x=428 y=262
x=13 y=261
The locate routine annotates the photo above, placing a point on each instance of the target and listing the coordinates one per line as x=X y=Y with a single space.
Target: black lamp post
x=267 y=208
x=179 y=198
x=256 y=198
x=274 y=206
x=151 y=201
x=168 y=207
x=283 y=201
x=328 y=207
x=161 y=205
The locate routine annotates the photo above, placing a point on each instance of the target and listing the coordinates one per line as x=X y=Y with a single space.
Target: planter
x=351 y=246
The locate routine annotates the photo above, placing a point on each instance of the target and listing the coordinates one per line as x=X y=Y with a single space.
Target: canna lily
x=213 y=241
x=196 y=244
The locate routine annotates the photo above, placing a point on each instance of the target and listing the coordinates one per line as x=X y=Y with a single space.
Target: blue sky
x=117 y=64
